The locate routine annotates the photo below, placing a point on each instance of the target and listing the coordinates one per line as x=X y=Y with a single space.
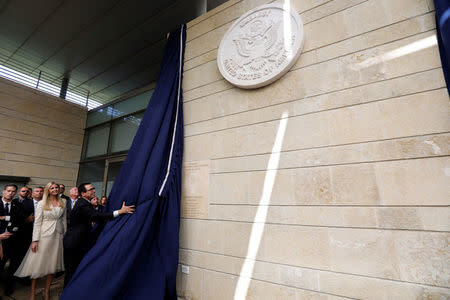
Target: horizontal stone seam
x=308 y=65
x=314 y=7
x=188 y=26
x=311 y=112
x=270 y=282
x=74 y=162
x=51 y=125
x=318 y=269
x=47 y=178
x=213 y=15
x=37 y=117
x=195 y=66
x=332 y=146
x=78 y=132
x=331 y=205
x=340 y=41
x=47 y=145
x=268 y=2
x=41 y=94
x=221 y=25
x=39 y=164
x=206 y=84
x=339 y=164
x=323 y=226
x=338 y=11
x=50 y=139
x=52 y=179
x=311 y=21
x=302 y=12
x=301 y=114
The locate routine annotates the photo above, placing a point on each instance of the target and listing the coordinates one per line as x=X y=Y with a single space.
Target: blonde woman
x=45 y=256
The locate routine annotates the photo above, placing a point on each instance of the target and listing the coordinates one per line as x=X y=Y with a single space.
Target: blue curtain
x=136 y=256
x=443 y=36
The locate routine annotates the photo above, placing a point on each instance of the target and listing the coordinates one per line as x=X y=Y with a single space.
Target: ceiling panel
x=67 y=22
x=19 y=19
x=135 y=81
x=142 y=60
x=106 y=47
x=107 y=32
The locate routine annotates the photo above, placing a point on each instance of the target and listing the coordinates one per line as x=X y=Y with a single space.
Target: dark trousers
x=72 y=258
x=24 y=243
x=11 y=253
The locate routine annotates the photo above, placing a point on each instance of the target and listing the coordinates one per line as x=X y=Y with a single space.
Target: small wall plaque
x=195 y=190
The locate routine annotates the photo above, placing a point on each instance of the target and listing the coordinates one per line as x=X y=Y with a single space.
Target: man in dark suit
x=12 y=218
x=24 y=236
x=62 y=188
x=23 y=194
x=77 y=241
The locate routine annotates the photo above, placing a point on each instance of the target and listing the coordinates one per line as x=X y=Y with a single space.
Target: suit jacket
x=81 y=218
x=28 y=206
x=46 y=223
x=15 y=225
x=68 y=210
x=17 y=217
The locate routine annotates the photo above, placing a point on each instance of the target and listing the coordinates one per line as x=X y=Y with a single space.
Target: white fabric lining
x=176 y=117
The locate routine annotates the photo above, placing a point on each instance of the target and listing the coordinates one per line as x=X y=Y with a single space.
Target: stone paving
x=22 y=291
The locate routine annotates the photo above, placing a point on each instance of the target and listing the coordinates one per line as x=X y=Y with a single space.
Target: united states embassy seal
x=261 y=46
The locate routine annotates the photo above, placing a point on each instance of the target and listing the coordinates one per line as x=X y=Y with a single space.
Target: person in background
x=30 y=191
x=24 y=236
x=45 y=255
x=62 y=188
x=103 y=200
x=94 y=202
x=11 y=220
x=23 y=194
x=38 y=193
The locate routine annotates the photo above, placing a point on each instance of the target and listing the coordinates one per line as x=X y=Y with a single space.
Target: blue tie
x=6 y=209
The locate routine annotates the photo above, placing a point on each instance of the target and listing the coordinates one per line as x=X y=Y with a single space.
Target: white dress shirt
x=7 y=218
x=35 y=203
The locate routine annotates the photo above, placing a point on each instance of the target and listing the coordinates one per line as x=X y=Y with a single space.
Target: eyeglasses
x=90 y=189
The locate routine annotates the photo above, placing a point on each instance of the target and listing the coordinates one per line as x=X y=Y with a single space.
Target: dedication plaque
x=261 y=46
x=195 y=190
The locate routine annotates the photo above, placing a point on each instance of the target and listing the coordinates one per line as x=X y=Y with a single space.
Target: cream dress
x=49 y=228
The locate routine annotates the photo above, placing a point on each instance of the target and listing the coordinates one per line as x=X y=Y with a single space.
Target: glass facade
x=96 y=140
x=109 y=133
x=92 y=172
x=123 y=131
x=113 y=171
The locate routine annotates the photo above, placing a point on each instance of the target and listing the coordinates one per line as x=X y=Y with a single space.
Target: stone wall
x=356 y=205
x=41 y=136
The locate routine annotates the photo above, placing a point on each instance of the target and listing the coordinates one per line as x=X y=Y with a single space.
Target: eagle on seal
x=257 y=44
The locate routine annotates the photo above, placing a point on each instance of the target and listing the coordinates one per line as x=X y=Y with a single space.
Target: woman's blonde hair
x=46 y=198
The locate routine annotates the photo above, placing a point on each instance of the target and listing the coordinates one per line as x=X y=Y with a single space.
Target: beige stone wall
x=360 y=201
x=41 y=136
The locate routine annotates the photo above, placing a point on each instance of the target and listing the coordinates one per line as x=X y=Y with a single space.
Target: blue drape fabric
x=136 y=256
x=443 y=36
